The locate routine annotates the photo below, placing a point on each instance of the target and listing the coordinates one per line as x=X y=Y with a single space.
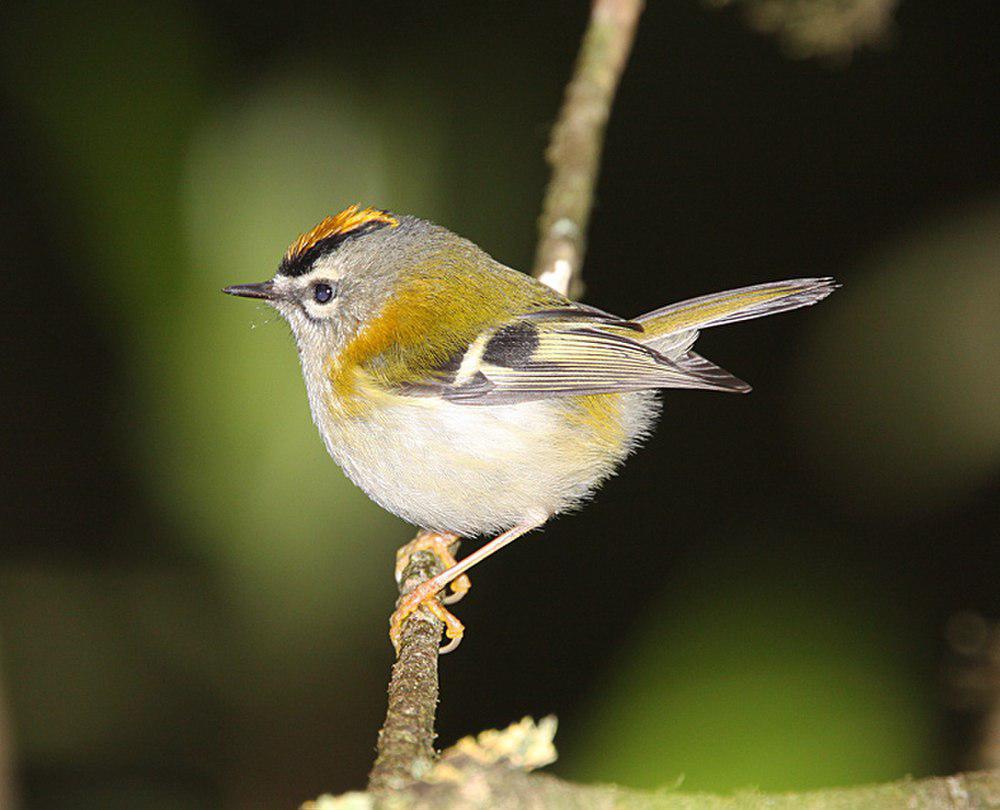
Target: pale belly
x=482 y=469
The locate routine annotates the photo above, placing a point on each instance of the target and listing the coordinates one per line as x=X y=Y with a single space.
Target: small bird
x=469 y=398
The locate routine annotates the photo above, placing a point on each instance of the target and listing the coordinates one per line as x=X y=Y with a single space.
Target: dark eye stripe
x=322 y=293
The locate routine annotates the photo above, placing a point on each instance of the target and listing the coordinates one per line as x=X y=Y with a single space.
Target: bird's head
x=337 y=276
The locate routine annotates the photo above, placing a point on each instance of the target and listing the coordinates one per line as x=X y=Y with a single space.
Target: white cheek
x=294 y=315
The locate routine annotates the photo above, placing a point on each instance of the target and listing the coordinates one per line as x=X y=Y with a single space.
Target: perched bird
x=470 y=399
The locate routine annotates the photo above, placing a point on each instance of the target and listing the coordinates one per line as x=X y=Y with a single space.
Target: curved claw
x=425 y=595
x=459 y=588
x=451 y=646
x=454 y=630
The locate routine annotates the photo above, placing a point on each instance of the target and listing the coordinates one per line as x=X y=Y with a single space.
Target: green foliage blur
x=193 y=598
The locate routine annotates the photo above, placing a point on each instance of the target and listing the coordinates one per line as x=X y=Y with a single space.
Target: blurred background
x=789 y=590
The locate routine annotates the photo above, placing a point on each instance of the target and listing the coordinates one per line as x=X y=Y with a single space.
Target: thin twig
x=574 y=151
x=406 y=741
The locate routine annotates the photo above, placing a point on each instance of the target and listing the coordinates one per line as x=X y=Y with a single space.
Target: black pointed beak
x=263 y=289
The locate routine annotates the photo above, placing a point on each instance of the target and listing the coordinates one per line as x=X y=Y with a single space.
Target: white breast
x=473 y=469
x=469 y=470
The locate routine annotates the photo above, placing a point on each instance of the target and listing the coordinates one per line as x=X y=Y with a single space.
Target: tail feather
x=716 y=377
x=728 y=307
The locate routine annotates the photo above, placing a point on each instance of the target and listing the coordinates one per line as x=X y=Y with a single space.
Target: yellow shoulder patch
x=350 y=219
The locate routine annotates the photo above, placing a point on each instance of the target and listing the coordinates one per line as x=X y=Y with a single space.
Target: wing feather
x=537 y=358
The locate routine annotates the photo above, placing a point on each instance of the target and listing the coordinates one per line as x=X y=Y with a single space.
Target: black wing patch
x=513 y=346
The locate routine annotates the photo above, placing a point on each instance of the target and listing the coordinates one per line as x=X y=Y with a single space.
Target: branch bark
x=406 y=740
x=574 y=152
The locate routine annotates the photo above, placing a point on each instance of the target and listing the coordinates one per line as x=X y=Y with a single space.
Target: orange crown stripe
x=350 y=219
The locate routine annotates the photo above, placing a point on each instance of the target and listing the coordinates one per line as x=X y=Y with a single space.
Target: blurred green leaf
x=898 y=395
x=757 y=673
x=112 y=104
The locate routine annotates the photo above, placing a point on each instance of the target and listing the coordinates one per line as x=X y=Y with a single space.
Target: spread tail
x=672 y=330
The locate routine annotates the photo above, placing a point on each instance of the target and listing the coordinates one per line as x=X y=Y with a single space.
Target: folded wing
x=537 y=356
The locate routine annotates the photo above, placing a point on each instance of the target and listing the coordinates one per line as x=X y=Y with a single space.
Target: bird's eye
x=322 y=293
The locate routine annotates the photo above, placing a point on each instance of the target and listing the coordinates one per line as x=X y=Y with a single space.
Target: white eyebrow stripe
x=324 y=268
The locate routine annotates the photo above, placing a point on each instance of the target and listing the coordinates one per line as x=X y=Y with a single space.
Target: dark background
x=193 y=600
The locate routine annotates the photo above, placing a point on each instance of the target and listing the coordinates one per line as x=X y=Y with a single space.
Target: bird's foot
x=425 y=595
x=440 y=544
